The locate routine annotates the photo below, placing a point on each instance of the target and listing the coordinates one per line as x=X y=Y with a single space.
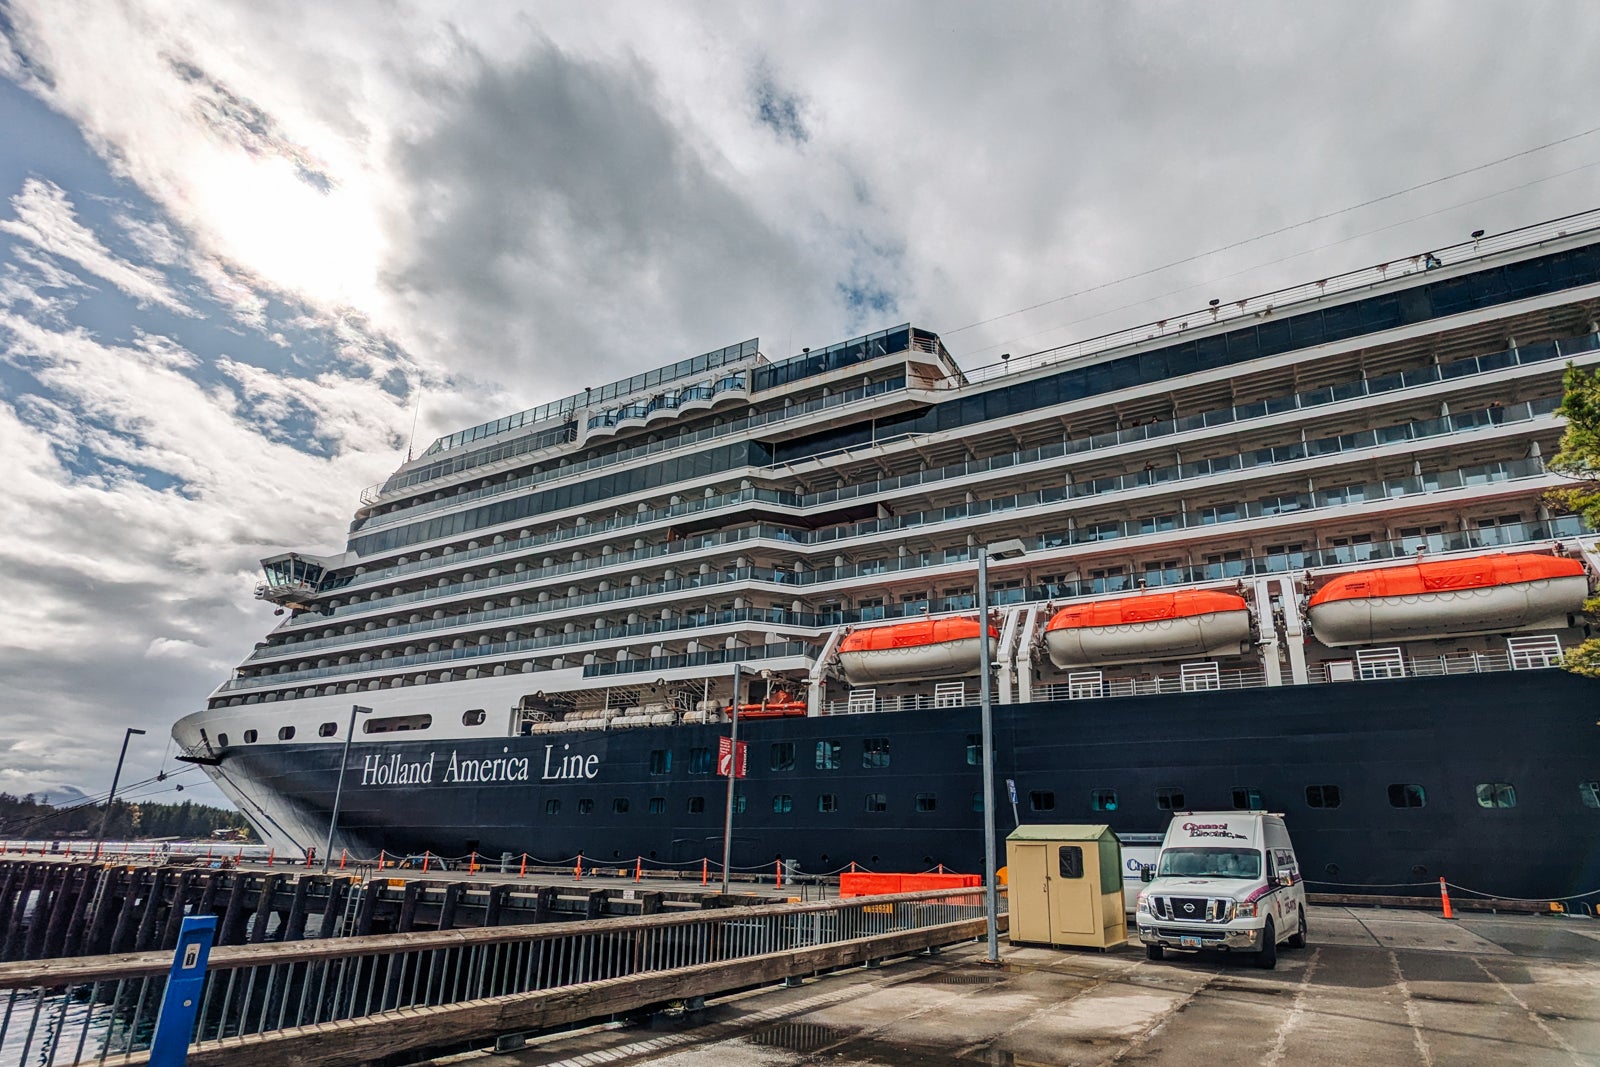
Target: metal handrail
x=87 y=1008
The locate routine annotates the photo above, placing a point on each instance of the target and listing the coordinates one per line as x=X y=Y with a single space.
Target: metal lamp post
x=105 y=820
x=991 y=908
x=733 y=768
x=338 y=790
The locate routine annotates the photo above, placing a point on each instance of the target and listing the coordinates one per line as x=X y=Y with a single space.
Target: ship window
x=250 y=737
x=658 y=805
x=1169 y=799
x=739 y=803
x=619 y=805
x=1042 y=800
x=697 y=805
x=1322 y=796
x=1103 y=799
x=977 y=803
x=782 y=803
x=473 y=717
x=1248 y=798
x=660 y=761
x=390 y=724
x=327 y=729
x=974 y=750
x=1497 y=795
x=1069 y=859
x=877 y=802
x=1407 y=796
x=222 y=740
x=829 y=755
x=552 y=807
x=286 y=733
x=827 y=802
x=585 y=806
x=875 y=752
x=783 y=756
x=1589 y=793
x=700 y=761
x=927 y=801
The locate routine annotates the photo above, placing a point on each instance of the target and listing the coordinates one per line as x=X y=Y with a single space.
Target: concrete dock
x=1374 y=987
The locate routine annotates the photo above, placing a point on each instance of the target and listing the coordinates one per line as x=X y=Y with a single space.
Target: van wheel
x=1267 y=958
x=1155 y=952
x=1298 y=938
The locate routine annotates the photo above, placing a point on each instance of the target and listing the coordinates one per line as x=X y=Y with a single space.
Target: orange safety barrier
x=871 y=885
x=1444 y=895
x=523 y=873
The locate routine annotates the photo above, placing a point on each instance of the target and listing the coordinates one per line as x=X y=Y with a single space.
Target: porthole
x=250 y=737
x=473 y=717
x=286 y=733
x=327 y=729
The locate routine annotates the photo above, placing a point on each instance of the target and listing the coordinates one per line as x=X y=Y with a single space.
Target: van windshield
x=1210 y=863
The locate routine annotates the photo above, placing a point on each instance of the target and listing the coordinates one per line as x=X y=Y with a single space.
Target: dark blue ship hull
x=1341 y=761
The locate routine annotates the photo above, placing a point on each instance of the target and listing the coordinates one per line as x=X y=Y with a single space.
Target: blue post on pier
x=175 y=1023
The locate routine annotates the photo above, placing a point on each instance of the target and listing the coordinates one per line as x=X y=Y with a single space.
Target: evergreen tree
x=1579 y=460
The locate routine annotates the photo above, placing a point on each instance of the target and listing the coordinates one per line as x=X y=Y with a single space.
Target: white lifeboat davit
x=1449 y=598
x=1149 y=627
x=907 y=651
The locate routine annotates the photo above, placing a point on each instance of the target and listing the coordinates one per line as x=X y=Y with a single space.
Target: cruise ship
x=1290 y=551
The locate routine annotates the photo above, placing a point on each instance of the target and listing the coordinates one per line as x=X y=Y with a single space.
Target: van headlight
x=1245 y=909
x=1143 y=905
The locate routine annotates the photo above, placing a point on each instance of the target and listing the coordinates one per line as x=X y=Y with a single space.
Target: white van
x=1224 y=880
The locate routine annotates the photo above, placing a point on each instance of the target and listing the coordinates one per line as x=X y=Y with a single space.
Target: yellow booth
x=1065 y=886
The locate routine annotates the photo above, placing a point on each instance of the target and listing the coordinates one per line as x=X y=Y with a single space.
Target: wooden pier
x=51 y=910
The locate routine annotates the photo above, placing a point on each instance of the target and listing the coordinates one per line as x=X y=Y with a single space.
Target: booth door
x=1074 y=889
x=1029 y=893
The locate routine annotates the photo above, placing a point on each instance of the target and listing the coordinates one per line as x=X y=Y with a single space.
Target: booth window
x=877 y=802
x=1042 y=800
x=1248 y=798
x=1402 y=795
x=1497 y=795
x=1070 y=860
x=697 y=805
x=1322 y=796
x=927 y=801
x=1169 y=799
x=552 y=807
x=782 y=803
x=1103 y=799
x=1589 y=792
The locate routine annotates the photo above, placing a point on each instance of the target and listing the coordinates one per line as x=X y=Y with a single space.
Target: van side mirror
x=1285 y=879
x=1147 y=873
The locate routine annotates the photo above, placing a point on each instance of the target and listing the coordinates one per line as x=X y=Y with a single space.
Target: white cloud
x=45 y=217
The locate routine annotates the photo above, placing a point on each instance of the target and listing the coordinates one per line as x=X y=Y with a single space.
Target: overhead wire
x=1278 y=231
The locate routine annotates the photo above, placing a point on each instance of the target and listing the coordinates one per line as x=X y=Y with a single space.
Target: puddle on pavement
x=799 y=1037
x=965 y=978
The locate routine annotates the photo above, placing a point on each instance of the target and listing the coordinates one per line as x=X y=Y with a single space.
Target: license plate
x=1188 y=942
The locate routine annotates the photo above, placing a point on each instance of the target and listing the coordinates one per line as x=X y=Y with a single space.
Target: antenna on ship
x=415 y=412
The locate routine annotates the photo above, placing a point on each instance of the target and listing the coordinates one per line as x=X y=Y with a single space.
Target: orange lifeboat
x=1449 y=598
x=927 y=648
x=1149 y=627
x=776 y=706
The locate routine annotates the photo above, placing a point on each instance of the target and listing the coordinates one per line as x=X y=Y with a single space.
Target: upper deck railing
x=1283 y=301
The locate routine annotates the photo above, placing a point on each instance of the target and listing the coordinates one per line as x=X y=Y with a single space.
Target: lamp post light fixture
x=105 y=820
x=338 y=790
x=991 y=904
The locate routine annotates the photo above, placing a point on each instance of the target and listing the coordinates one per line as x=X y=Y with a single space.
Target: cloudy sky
x=243 y=246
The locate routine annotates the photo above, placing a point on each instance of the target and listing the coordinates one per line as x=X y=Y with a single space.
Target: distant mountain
x=61 y=796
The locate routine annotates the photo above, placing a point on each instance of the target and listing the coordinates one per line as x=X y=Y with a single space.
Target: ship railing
x=337 y=1000
x=1288 y=301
